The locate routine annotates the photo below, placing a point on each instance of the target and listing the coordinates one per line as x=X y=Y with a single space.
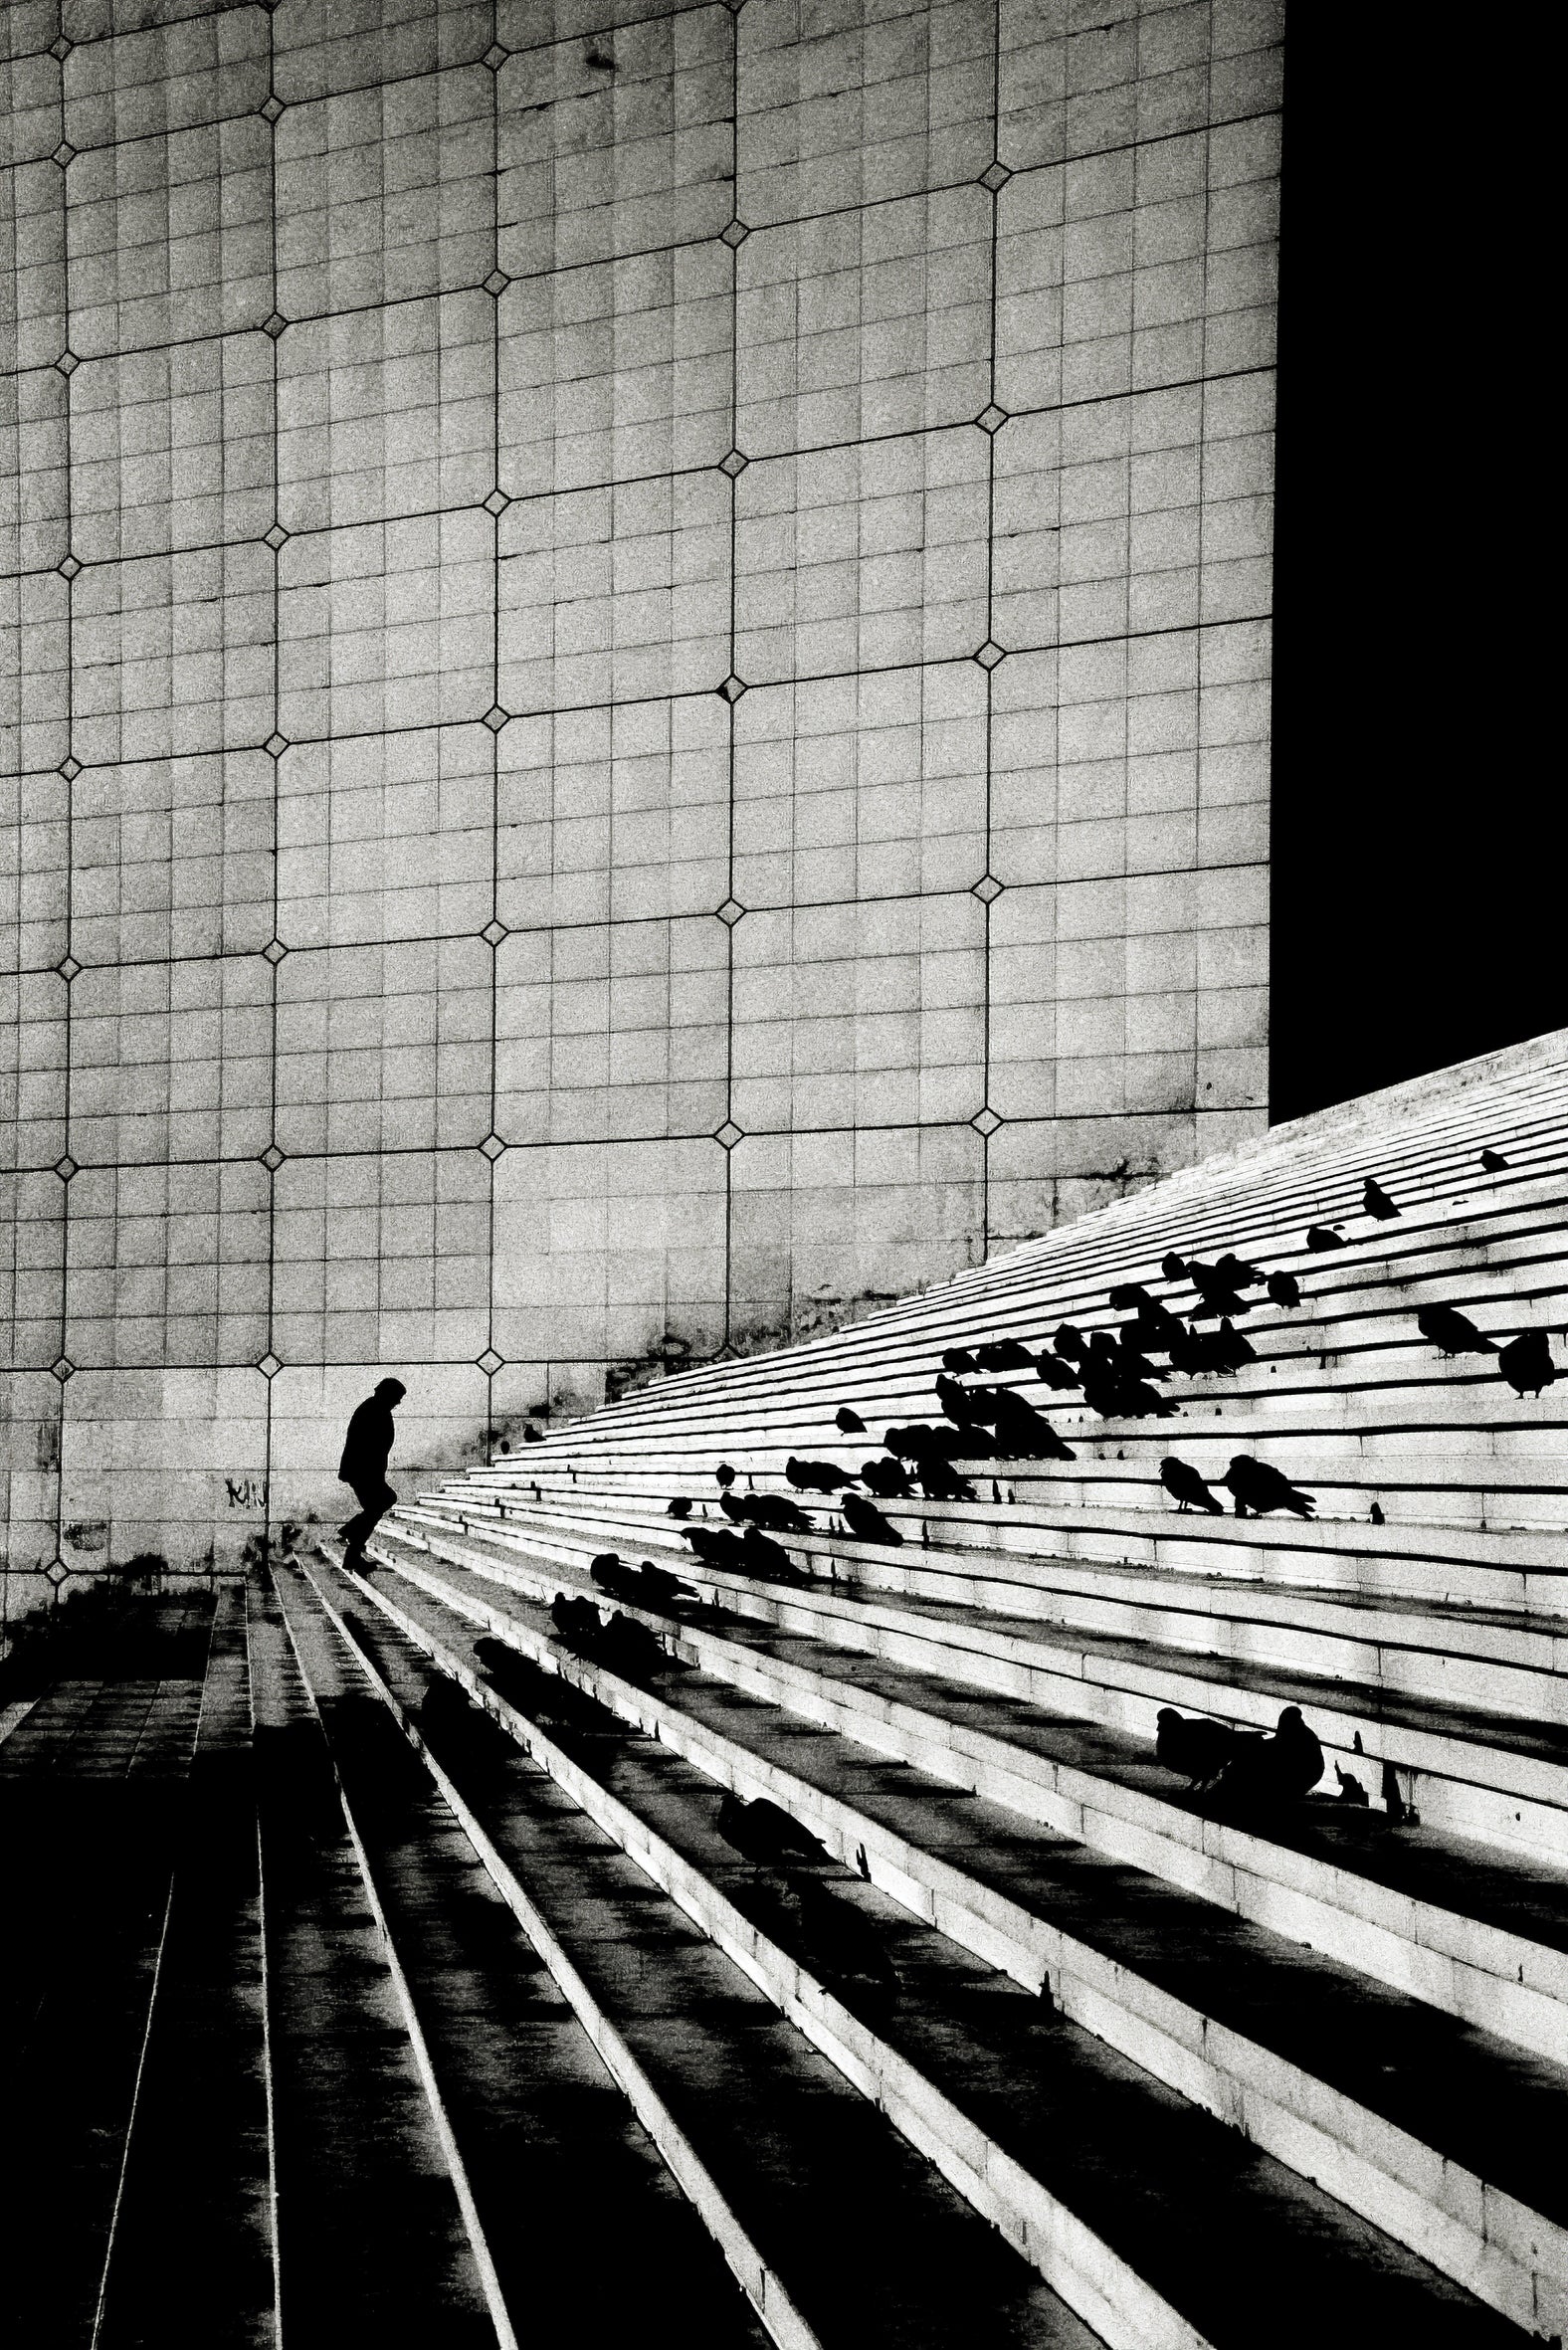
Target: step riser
x=1375 y=2169
x=1082 y=2270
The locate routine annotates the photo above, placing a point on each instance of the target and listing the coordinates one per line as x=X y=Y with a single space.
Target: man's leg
x=376 y=1498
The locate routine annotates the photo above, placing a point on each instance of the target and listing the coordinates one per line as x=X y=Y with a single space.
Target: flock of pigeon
x=1113 y=1372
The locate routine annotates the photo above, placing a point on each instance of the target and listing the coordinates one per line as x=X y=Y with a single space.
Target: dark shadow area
x=1413 y=791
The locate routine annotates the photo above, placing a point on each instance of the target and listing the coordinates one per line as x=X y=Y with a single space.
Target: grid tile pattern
x=639 y=705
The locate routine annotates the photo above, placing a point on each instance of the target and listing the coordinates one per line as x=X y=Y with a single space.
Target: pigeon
x=886 y=1478
x=1156 y=1329
x=1187 y=1489
x=1375 y=1514
x=725 y=1474
x=921 y=1438
x=629 y=1648
x=1284 y=1288
x=1055 y=1373
x=1323 y=1236
x=1281 y=1768
x=1453 y=1333
x=1237 y=1275
x=775 y=1511
x=1527 y=1363
x=1174 y=1268
x=1229 y=1350
x=1218 y=1291
x=1022 y=1433
x=1253 y=1485
x=1004 y=1354
x=1375 y=1200
x=847 y=1423
x=1493 y=1161
x=966 y=1407
x=866 y=1523
x=1393 y=1802
x=1351 y=1790
x=1071 y=1343
x=717 y=1546
x=576 y=1622
x=1196 y=1748
x=1128 y=1297
x=760 y=1555
x=940 y=1481
x=1128 y=1359
x=1192 y=1353
x=681 y=1507
x=959 y=1360
x=761 y=1832
x=816 y=1476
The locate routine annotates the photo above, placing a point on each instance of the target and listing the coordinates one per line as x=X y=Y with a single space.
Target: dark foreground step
x=842 y=2234
x=1425 y=2125
x=1116 y=2186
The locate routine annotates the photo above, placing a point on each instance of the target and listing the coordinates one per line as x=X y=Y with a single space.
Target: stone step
x=536 y=2122
x=1405 y=2114
x=770 y=2142
x=371 y=2239
x=1042 y=2125
x=1481 y=1935
x=1236 y=1652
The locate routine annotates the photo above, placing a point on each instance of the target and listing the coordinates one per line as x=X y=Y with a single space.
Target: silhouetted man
x=364 y=1464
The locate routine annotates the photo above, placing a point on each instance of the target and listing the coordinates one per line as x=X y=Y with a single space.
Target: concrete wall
x=687 y=597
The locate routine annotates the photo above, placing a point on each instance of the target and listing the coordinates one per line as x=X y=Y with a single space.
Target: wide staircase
x=645 y=1930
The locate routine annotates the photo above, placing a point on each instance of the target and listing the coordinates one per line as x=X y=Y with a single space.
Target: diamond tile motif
x=985 y=1122
x=276 y=537
x=735 y=462
x=995 y=176
x=496 y=57
x=495 y=718
x=497 y=502
x=494 y=932
x=986 y=888
x=496 y=283
x=732 y=687
x=492 y=1146
x=68 y=362
x=63 y=1368
x=64 y=154
x=69 y=769
x=67 y=968
x=68 y=567
x=737 y=233
x=989 y=654
x=274 y=951
x=271 y=1158
x=728 y=1134
x=271 y=108
x=274 y=324
x=275 y=745
x=489 y=1362
x=990 y=418
x=61 y=49
x=56 y=1572
x=64 y=1168
x=269 y=1365
x=731 y=911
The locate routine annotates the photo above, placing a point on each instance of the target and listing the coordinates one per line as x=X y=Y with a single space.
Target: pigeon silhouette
x=1284 y=1288
x=866 y=1523
x=1375 y=1514
x=1231 y=1269
x=717 y=1546
x=1194 y=1747
x=1527 y=1363
x=959 y=1360
x=1128 y=1297
x=847 y=1423
x=725 y=1474
x=1218 y=1291
x=1375 y=1200
x=764 y=1833
x=1351 y=1790
x=1190 y=1353
x=1453 y=1333
x=1187 y=1489
x=966 y=1407
x=940 y=1481
x=816 y=1476
x=1277 y=1769
x=681 y=1507
x=577 y=1623
x=1055 y=1373
x=1323 y=1236
x=1004 y=1354
x=887 y=1479
x=1155 y=1330
x=773 y=1511
x=1493 y=1161
x=1071 y=1343
x=1255 y=1486
x=1229 y=1350
x=760 y=1555
x=1174 y=1268
x=1021 y=1433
